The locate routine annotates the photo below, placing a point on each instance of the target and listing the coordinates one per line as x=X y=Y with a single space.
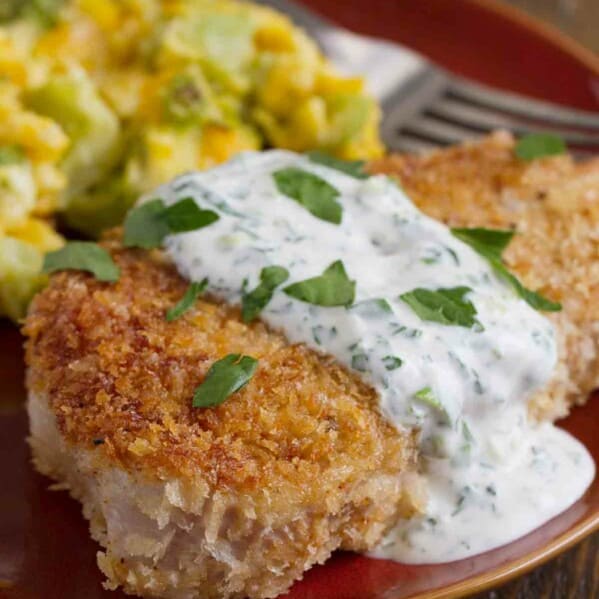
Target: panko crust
x=120 y=380
x=553 y=203
x=229 y=502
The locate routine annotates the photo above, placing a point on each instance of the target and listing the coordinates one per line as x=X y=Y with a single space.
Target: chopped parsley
x=487 y=242
x=490 y=243
x=392 y=362
x=445 y=306
x=353 y=168
x=225 y=377
x=373 y=307
x=427 y=396
x=83 y=255
x=187 y=301
x=539 y=145
x=147 y=225
x=359 y=362
x=309 y=190
x=255 y=301
x=332 y=288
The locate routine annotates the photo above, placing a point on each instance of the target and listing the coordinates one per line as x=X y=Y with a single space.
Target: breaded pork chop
x=553 y=203
x=232 y=501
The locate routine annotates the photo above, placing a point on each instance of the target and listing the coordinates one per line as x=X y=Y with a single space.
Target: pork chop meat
x=232 y=501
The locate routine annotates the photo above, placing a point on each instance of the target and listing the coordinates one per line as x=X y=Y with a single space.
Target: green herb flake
x=373 y=307
x=185 y=215
x=225 y=377
x=487 y=242
x=359 y=362
x=332 y=288
x=466 y=433
x=490 y=243
x=532 y=298
x=353 y=168
x=187 y=301
x=147 y=225
x=83 y=255
x=427 y=396
x=255 y=301
x=392 y=362
x=445 y=306
x=539 y=145
x=313 y=193
x=11 y=155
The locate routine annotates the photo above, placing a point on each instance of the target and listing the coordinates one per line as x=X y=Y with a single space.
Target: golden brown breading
x=553 y=203
x=300 y=459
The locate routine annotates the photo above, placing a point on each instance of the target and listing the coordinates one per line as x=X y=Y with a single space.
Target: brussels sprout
x=92 y=127
x=11 y=155
x=102 y=207
x=348 y=115
x=221 y=42
x=18 y=190
x=44 y=11
x=188 y=100
x=20 y=276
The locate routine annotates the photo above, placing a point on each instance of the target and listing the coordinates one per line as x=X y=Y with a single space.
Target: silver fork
x=426 y=107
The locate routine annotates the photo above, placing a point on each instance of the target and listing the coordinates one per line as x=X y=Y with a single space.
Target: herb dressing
x=491 y=476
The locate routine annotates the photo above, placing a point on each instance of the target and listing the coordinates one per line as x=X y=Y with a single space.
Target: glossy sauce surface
x=491 y=476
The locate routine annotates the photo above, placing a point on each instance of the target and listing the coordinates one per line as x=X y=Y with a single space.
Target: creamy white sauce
x=491 y=475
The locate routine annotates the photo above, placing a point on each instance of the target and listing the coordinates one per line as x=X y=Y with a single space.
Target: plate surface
x=45 y=550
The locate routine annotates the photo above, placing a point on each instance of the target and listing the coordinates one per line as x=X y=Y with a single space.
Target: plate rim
x=516 y=568
x=544 y=29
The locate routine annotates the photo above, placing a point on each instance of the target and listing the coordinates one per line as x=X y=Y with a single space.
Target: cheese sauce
x=491 y=475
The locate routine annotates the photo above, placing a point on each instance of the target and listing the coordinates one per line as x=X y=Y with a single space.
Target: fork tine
x=438 y=132
x=412 y=144
x=484 y=120
x=522 y=106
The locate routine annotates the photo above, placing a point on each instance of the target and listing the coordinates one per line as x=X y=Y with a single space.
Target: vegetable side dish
x=101 y=100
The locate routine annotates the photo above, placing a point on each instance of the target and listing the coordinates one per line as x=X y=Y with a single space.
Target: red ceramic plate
x=45 y=550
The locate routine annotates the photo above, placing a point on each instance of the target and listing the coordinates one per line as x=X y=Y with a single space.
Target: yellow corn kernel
x=51 y=181
x=38 y=233
x=276 y=36
x=287 y=82
x=12 y=64
x=168 y=154
x=124 y=90
x=104 y=12
x=219 y=143
x=328 y=82
x=39 y=136
x=367 y=145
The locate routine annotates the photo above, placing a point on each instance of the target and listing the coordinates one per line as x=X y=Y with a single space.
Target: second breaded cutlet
x=553 y=204
x=233 y=501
